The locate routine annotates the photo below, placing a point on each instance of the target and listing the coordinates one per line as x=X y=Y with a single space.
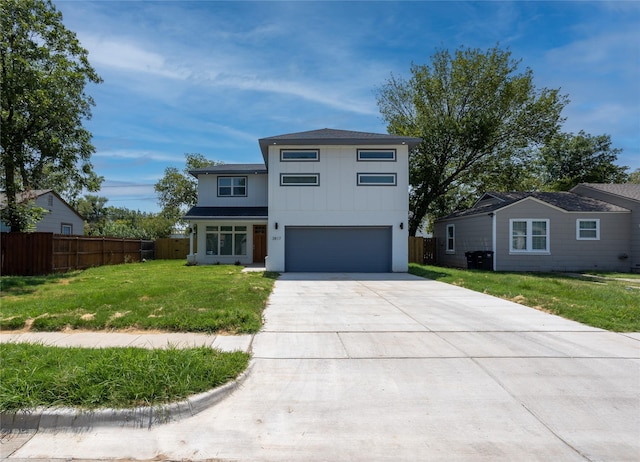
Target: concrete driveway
x=394 y=367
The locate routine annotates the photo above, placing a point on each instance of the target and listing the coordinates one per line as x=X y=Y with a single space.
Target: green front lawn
x=163 y=294
x=35 y=375
x=607 y=304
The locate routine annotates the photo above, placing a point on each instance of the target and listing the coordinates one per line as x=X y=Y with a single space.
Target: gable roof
x=626 y=190
x=33 y=195
x=330 y=136
x=567 y=201
x=225 y=169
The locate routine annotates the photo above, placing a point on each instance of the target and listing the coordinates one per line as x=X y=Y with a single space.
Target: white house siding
x=338 y=200
x=566 y=252
x=471 y=234
x=256 y=191
x=59 y=213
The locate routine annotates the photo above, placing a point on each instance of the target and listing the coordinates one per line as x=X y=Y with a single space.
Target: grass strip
x=164 y=295
x=606 y=304
x=33 y=375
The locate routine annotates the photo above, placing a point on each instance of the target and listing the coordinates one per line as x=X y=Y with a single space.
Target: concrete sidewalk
x=394 y=367
x=142 y=339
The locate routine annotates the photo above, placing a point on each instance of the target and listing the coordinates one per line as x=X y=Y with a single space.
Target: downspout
x=493 y=241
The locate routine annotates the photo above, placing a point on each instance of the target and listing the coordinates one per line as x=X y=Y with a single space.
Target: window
x=232 y=186
x=300 y=179
x=66 y=229
x=226 y=240
x=529 y=235
x=376 y=179
x=588 y=230
x=451 y=239
x=50 y=200
x=300 y=155
x=388 y=155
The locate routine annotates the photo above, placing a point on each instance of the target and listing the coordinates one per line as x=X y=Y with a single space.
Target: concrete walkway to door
x=394 y=367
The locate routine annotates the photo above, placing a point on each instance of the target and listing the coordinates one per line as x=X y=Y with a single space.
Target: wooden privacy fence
x=422 y=250
x=29 y=254
x=173 y=249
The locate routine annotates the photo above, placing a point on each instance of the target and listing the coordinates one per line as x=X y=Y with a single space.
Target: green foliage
x=479 y=118
x=37 y=375
x=607 y=304
x=43 y=71
x=178 y=191
x=163 y=294
x=634 y=177
x=568 y=159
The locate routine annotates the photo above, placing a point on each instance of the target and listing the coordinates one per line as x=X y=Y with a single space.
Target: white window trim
x=66 y=225
x=234 y=233
x=392 y=159
x=529 y=237
x=246 y=186
x=312 y=159
x=309 y=175
x=453 y=239
x=394 y=175
x=580 y=238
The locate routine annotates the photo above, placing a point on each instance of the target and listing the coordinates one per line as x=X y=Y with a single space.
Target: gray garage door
x=338 y=249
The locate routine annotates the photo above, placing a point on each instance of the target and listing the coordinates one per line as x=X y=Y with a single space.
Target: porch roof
x=202 y=213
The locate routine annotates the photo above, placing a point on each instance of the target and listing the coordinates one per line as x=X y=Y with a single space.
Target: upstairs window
x=529 y=236
x=300 y=179
x=232 y=186
x=377 y=179
x=299 y=155
x=588 y=230
x=377 y=155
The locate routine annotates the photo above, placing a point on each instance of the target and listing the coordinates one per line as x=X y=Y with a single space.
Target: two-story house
x=324 y=200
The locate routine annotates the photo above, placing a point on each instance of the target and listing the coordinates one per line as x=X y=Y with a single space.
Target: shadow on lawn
x=22 y=285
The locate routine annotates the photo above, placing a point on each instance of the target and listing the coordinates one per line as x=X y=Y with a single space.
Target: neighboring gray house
x=60 y=219
x=589 y=228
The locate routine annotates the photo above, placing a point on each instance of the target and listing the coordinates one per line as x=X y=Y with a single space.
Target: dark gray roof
x=626 y=190
x=227 y=212
x=229 y=169
x=329 y=136
x=567 y=201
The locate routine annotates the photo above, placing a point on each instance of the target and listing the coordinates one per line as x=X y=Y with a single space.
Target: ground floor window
x=588 y=230
x=451 y=238
x=529 y=235
x=226 y=240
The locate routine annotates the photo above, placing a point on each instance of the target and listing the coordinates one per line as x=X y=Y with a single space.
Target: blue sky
x=213 y=77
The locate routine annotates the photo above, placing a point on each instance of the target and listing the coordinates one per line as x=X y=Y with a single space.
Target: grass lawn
x=35 y=375
x=163 y=294
x=156 y=295
x=607 y=304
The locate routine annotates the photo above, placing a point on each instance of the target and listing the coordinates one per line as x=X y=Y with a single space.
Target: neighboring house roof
x=626 y=190
x=329 y=136
x=227 y=169
x=566 y=201
x=25 y=196
x=227 y=212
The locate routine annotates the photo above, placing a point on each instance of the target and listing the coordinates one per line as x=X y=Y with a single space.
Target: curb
x=66 y=418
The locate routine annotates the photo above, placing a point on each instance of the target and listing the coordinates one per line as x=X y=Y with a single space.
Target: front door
x=259 y=243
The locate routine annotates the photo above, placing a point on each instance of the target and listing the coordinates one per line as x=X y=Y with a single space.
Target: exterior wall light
x=401 y=225
x=276 y=225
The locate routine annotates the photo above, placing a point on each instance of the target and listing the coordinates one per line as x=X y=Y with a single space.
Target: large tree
x=44 y=72
x=178 y=190
x=478 y=116
x=569 y=159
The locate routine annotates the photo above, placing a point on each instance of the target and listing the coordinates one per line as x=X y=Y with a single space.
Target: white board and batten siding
x=338 y=200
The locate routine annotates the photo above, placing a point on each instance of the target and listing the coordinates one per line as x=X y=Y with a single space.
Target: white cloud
x=136 y=155
x=129 y=57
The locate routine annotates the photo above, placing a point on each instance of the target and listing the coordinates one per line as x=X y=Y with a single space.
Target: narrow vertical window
x=451 y=238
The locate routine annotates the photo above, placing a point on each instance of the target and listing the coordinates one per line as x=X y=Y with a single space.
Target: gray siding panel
x=338 y=249
x=471 y=234
x=566 y=252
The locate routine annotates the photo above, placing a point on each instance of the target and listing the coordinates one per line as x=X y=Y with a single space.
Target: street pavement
x=394 y=367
